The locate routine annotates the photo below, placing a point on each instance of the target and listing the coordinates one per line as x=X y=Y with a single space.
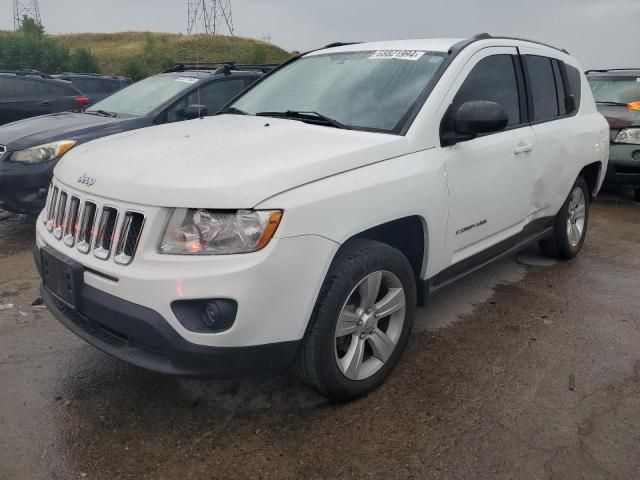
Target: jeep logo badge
x=86 y=180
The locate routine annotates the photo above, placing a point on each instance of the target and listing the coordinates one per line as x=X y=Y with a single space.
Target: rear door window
x=493 y=79
x=214 y=96
x=16 y=89
x=217 y=94
x=543 y=88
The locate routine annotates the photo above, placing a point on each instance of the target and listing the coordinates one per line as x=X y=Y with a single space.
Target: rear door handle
x=523 y=148
x=46 y=103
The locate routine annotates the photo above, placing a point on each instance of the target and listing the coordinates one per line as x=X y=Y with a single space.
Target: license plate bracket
x=62 y=277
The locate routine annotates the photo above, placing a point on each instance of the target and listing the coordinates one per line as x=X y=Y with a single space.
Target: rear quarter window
x=574 y=81
x=543 y=88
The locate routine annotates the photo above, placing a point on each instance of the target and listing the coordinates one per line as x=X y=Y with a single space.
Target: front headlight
x=628 y=135
x=43 y=153
x=210 y=232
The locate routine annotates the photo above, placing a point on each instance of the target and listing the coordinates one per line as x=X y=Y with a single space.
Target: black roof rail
x=340 y=44
x=220 y=67
x=27 y=73
x=85 y=74
x=468 y=41
x=486 y=36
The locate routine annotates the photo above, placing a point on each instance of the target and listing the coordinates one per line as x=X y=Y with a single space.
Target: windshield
x=616 y=89
x=365 y=90
x=143 y=97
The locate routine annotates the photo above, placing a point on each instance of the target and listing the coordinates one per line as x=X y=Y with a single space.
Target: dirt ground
x=529 y=369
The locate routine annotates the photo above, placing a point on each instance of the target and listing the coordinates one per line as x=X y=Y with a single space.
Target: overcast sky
x=600 y=33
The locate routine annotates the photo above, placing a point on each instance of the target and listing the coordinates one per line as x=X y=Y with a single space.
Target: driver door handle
x=523 y=148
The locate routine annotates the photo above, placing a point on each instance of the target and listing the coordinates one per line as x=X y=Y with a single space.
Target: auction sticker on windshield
x=397 y=54
x=186 y=79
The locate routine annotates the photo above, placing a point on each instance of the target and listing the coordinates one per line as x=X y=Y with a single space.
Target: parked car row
x=302 y=224
x=617 y=94
x=30 y=149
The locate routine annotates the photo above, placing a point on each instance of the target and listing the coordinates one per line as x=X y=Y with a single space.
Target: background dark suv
x=95 y=86
x=617 y=94
x=30 y=149
x=26 y=93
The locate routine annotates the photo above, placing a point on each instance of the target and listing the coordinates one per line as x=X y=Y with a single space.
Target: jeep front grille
x=87 y=225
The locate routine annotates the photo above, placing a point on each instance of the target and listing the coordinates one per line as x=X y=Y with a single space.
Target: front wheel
x=570 y=225
x=361 y=322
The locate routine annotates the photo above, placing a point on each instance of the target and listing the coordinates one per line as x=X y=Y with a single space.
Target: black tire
x=636 y=195
x=558 y=245
x=316 y=363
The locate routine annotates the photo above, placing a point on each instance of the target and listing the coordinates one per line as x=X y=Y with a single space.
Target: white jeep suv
x=304 y=224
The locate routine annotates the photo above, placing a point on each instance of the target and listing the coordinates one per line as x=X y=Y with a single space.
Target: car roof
x=33 y=76
x=615 y=72
x=443 y=45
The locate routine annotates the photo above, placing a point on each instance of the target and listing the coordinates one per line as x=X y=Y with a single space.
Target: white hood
x=226 y=162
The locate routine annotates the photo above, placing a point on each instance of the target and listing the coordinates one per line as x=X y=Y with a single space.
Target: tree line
x=31 y=49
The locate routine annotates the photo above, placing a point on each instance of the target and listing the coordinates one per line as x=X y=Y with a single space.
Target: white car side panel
x=342 y=206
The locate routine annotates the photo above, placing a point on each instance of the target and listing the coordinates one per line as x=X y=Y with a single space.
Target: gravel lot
x=529 y=369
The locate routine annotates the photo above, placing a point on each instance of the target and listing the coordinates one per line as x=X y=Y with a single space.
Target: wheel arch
x=410 y=235
x=591 y=174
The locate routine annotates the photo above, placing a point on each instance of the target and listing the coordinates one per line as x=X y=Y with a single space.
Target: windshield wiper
x=309 y=117
x=615 y=104
x=102 y=113
x=232 y=111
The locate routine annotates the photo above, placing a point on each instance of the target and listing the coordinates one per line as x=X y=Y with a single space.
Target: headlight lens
x=43 y=153
x=210 y=232
x=628 y=135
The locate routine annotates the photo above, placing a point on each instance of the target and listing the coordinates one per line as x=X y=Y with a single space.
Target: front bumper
x=23 y=188
x=275 y=290
x=142 y=337
x=624 y=166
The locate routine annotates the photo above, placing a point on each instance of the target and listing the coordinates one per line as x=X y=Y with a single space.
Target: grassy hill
x=115 y=52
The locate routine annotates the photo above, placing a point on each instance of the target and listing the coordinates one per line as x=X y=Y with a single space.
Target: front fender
x=341 y=206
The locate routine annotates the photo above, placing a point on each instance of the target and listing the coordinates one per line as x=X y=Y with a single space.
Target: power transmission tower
x=30 y=8
x=209 y=16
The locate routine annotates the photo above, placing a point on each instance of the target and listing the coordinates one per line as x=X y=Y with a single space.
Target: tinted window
x=21 y=89
x=214 y=96
x=62 y=90
x=9 y=88
x=574 y=81
x=493 y=79
x=543 y=88
x=560 y=88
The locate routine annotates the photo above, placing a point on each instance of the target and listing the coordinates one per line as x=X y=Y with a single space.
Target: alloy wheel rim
x=577 y=216
x=370 y=325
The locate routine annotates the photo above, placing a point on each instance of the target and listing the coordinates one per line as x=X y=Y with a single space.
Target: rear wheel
x=570 y=225
x=361 y=322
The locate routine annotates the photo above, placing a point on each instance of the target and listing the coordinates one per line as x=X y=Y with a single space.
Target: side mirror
x=194 y=111
x=475 y=118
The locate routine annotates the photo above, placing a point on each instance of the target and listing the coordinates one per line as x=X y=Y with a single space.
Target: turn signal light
x=633 y=106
